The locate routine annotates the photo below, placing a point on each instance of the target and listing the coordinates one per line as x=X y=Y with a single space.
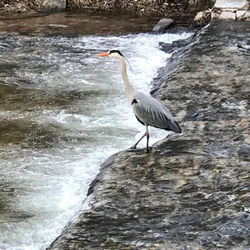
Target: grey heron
x=148 y=110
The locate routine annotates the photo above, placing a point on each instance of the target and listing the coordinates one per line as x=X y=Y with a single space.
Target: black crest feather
x=116 y=51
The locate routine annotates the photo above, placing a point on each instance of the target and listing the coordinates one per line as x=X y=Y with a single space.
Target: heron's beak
x=104 y=54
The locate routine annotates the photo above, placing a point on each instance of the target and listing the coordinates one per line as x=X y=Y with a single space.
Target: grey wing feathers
x=152 y=112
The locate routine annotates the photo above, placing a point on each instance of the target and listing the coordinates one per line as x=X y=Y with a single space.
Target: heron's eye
x=134 y=101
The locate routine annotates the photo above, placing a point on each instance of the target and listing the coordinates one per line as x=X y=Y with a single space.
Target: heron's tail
x=174 y=126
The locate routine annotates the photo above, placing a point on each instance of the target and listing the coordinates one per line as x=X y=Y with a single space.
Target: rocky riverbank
x=144 y=7
x=191 y=190
x=177 y=8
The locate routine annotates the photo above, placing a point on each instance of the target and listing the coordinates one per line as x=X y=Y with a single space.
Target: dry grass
x=137 y=7
x=20 y=5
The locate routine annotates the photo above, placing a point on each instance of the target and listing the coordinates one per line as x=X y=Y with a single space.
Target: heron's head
x=112 y=53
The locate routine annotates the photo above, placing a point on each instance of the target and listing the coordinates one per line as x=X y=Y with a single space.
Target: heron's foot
x=142 y=150
x=133 y=148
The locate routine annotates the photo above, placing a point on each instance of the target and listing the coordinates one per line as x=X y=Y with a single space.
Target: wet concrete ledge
x=192 y=190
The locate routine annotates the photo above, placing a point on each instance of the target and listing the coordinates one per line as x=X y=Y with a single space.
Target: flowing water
x=63 y=112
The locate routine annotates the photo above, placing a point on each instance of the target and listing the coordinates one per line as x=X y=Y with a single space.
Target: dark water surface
x=76 y=23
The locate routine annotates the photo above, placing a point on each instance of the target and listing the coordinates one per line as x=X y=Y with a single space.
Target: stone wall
x=235 y=10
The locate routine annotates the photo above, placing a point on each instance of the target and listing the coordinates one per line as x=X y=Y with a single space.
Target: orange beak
x=104 y=54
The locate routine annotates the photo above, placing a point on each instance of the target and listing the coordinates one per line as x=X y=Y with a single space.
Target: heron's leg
x=147 y=134
x=135 y=145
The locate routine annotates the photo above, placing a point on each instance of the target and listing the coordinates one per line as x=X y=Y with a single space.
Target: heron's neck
x=129 y=90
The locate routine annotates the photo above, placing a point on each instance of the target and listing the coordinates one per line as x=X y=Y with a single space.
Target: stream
x=63 y=112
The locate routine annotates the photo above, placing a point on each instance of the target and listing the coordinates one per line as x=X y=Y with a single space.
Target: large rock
x=192 y=190
x=54 y=5
x=163 y=24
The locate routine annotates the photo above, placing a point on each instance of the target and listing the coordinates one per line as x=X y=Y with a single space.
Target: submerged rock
x=191 y=191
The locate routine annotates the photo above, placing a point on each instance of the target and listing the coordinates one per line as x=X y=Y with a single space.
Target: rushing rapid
x=63 y=111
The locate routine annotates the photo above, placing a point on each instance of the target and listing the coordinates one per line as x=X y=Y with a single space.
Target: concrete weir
x=192 y=190
x=232 y=9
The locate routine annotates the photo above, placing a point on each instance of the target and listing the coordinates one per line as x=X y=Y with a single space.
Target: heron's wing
x=153 y=112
